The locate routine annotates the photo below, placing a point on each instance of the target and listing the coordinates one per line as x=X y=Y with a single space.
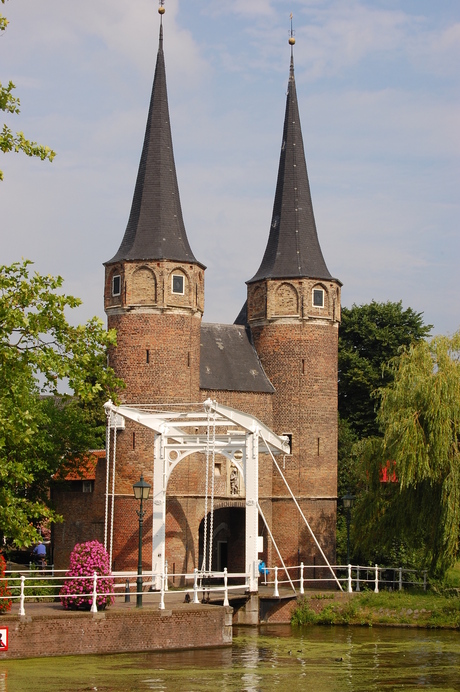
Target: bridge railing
x=350 y=577
x=45 y=585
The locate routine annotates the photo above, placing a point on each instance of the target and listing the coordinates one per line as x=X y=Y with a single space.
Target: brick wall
x=83 y=515
x=117 y=632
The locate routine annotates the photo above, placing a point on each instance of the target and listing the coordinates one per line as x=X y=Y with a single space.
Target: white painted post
x=159 y=509
x=376 y=589
x=166 y=575
x=251 y=481
x=357 y=579
x=226 y=603
x=195 y=587
x=21 y=599
x=94 y=603
x=349 y=589
x=275 y=592
x=302 y=590
x=162 y=592
x=400 y=578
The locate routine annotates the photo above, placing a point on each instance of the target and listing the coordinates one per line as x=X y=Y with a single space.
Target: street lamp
x=347 y=501
x=141 y=492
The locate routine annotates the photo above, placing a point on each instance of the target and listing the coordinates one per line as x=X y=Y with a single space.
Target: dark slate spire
x=293 y=248
x=155 y=229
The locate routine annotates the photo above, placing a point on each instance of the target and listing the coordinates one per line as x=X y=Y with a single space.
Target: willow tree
x=412 y=472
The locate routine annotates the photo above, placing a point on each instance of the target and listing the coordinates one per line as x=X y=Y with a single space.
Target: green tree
x=370 y=336
x=10 y=141
x=42 y=354
x=419 y=418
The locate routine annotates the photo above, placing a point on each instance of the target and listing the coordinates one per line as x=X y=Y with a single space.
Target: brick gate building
x=277 y=362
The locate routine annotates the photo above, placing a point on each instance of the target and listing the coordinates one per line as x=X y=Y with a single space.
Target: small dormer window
x=318 y=298
x=178 y=283
x=116 y=285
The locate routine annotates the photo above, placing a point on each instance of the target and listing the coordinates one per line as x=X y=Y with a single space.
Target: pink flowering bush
x=85 y=559
x=5 y=603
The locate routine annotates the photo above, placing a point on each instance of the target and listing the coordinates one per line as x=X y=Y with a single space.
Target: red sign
x=3 y=639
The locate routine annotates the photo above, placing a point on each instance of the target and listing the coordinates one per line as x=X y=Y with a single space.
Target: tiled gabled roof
x=155 y=229
x=229 y=362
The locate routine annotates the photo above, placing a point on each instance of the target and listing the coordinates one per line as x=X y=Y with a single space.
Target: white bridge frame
x=238 y=436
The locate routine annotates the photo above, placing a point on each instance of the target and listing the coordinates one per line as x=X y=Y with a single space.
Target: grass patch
x=453 y=577
x=386 y=608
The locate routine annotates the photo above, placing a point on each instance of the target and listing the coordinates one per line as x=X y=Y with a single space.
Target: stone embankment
x=48 y=630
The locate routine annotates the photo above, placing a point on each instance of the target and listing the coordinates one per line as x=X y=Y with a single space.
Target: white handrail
x=24 y=585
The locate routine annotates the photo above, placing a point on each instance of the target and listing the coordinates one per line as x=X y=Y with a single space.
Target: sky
x=378 y=89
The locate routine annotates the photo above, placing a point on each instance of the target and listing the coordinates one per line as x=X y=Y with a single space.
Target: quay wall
x=71 y=634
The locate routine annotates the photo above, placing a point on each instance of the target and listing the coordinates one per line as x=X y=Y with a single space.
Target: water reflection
x=273 y=658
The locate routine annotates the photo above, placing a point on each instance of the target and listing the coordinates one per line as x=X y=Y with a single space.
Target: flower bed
x=85 y=560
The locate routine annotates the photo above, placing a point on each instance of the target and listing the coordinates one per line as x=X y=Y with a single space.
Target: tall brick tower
x=293 y=311
x=154 y=286
x=154 y=298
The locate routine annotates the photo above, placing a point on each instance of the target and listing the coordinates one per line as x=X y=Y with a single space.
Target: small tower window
x=116 y=285
x=178 y=283
x=318 y=298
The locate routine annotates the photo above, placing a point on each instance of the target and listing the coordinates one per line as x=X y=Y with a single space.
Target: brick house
x=277 y=362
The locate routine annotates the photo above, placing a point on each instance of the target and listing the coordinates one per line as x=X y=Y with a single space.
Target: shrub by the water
x=85 y=560
x=5 y=601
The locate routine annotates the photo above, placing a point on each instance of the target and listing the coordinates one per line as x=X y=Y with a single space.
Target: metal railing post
x=195 y=587
x=349 y=589
x=21 y=599
x=164 y=577
x=226 y=603
x=357 y=579
x=276 y=592
x=302 y=590
x=94 y=603
x=376 y=589
x=400 y=579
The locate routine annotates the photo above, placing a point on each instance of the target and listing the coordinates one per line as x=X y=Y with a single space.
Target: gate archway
x=227 y=541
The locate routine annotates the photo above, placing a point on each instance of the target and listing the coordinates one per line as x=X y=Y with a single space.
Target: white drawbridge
x=208 y=428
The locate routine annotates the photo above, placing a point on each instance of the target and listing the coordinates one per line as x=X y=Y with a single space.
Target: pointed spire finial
x=161 y=11
x=291 y=34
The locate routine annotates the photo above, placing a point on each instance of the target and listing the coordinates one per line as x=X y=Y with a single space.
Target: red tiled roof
x=86 y=471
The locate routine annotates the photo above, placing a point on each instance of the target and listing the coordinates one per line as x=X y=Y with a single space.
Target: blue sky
x=378 y=88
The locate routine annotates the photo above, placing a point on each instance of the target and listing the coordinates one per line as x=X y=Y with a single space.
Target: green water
x=274 y=658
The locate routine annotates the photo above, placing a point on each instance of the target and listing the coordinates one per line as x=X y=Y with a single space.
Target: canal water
x=276 y=658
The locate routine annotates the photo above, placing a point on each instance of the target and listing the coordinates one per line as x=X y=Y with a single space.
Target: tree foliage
x=9 y=140
x=419 y=417
x=370 y=336
x=42 y=354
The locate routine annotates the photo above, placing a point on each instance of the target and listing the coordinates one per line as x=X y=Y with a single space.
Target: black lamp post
x=347 y=501
x=141 y=492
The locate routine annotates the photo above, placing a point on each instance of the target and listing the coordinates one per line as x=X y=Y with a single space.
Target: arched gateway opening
x=228 y=544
